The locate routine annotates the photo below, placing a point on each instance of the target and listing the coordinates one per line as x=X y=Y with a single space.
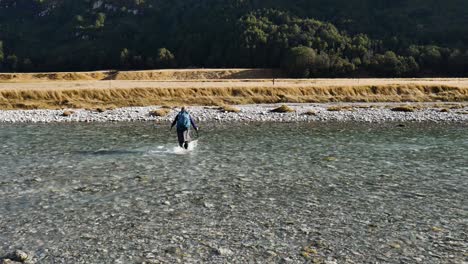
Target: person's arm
x=175 y=121
x=193 y=123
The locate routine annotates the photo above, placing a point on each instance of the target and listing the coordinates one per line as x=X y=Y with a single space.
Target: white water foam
x=181 y=151
x=162 y=149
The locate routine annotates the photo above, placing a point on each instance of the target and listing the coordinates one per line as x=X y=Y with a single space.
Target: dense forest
x=307 y=38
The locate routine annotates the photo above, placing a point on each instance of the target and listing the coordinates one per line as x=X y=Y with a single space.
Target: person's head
x=183 y=109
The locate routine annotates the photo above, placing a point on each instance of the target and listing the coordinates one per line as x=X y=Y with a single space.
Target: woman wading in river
x=184 y=121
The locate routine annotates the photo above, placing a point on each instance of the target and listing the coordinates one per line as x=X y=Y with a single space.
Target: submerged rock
x=19 y=256
x=208 y=205
x=224 y=251
x=8 y=261
x=173 y=250
x=329 y=158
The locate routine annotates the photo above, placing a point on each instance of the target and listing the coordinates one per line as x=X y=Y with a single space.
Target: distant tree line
x=360 y=38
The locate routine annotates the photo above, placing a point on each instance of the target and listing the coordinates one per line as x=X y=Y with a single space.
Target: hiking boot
x=186 y=145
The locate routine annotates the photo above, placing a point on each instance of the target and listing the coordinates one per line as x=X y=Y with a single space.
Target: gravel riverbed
x=357 y=112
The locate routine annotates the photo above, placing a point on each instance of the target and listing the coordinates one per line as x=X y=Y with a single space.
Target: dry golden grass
x=160 y=112
x=363 y=106
x=122 y=97
x=166 y=107
x=283 y=109
x=111 y=107
x=229 y=109
x=404 y=108
x=67 y=113
x=337 y=108
x=29 y=91
x=456 y=106
x=310 y=113
x=172 y=74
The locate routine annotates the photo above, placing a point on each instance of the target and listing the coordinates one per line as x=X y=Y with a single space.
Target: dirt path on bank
x=223 y=83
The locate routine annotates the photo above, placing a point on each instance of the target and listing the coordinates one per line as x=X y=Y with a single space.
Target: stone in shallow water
x=173 y=250
x=208 y=205
x=21 y=255
x=8 y=261
x=224 y=251
x=329 y=159
x=395 y=245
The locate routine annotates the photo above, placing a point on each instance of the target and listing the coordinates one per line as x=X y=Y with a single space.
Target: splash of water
x=192 y=145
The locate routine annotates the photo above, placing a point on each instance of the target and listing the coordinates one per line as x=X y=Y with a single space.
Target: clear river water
x=247 y=193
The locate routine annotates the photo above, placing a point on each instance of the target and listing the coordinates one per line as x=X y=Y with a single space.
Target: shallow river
x=259 y=193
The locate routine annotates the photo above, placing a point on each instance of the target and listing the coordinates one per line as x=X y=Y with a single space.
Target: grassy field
x=211 y=87
x=157 y=75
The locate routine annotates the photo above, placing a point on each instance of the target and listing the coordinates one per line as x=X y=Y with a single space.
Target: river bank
x=131 y=89
x=358 y=112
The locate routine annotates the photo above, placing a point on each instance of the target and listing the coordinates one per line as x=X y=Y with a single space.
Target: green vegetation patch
x=313 y=38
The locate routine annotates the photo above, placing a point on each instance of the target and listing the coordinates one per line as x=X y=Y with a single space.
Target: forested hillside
x=307 y=38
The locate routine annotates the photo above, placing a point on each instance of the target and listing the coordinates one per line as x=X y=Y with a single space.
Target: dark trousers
x=183 y=135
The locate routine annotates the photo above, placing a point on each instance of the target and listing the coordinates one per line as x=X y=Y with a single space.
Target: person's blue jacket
x=177 y=118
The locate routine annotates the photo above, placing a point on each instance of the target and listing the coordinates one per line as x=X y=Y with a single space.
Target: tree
x=165 y=59
x=100 y=20
x=137 y=62
x=320 y=65
x=12 y=62
x=124 y=58
x=27 y=65
x=458 y=62
x=387 y=64
x=340 y=67
x=298 y=60
x=411 y=67
x=392 y=65
x=149 y=62
x=2 y=55
x=85 y=35
x=431 y=57
x=254 y=39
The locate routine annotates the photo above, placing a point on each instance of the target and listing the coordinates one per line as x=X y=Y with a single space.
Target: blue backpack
x=183 y=121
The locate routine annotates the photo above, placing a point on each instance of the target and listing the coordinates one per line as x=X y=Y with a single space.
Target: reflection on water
x=357 y=187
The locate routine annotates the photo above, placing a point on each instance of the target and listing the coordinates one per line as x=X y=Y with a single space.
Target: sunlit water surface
x=97 y=193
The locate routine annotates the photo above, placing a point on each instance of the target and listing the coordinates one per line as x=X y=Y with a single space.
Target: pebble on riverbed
x=370 y=113
x=19 y=256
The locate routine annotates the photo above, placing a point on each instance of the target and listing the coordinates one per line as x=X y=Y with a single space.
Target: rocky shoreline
x=357 y=112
